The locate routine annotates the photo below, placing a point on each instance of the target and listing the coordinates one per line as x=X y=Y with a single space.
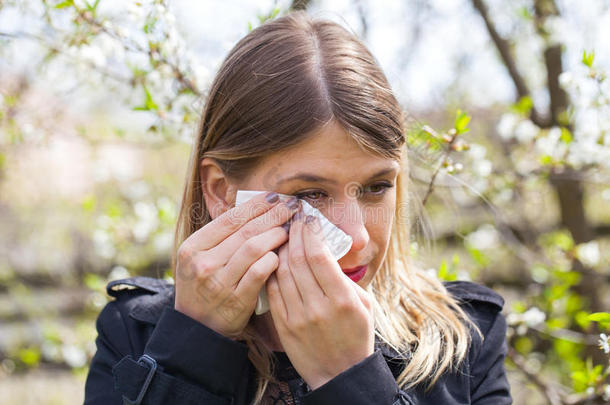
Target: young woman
x=298 y=107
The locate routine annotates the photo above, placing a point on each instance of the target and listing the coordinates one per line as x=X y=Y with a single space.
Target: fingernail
x=272 y=197
x=298 y=215
x=292 y=203
x=286 y=227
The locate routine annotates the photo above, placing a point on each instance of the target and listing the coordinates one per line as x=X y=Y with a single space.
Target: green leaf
x=29 y=356
x=566 y=135
x=561 y=239
x=461 y=122
x=546 y=160
x=446 y=273
x=587 y=58
x=525 y=13
x=149 y=103
x=263 y=18
x=556 y=323
x=479 y=257
x=519 y=307
x=114 y=210
x=64 y=4
x=94 y=282
x=92 y=7
x=523 y=345
x=523 y=106
x=582 y=319
x=603 y=318
x=599 y=317
x=88 y=203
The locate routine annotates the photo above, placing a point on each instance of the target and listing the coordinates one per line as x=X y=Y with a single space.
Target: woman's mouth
x=356 y=273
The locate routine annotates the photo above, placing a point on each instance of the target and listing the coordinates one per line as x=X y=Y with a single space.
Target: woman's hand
x=323 y=319
x=222 y=266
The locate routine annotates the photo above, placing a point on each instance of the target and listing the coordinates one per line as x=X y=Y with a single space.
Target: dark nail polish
x=292 y=203
x=272 y=197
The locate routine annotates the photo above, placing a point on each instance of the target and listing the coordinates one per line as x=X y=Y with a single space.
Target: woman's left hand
x=323 y=319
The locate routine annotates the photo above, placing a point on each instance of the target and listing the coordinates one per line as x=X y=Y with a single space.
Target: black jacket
x=146 y=350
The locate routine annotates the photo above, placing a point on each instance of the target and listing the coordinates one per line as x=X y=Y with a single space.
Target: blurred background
x=509 y=129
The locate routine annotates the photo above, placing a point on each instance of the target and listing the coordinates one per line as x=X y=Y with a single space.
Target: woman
x=299 y=107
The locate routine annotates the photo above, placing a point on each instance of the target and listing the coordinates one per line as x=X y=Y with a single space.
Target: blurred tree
x=499 y=174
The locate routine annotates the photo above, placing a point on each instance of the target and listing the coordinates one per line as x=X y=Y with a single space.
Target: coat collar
x=153 y=295
x=159 y=294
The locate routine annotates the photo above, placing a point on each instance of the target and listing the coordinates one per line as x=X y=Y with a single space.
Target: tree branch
x=503 y=47
x=550 y=394
x=300 y=4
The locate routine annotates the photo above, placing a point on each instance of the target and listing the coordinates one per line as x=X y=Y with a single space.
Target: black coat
x=147 y=349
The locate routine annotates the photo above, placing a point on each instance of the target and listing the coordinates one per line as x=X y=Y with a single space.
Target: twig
x=551 y=395
x=442 y=162
x=503 y=47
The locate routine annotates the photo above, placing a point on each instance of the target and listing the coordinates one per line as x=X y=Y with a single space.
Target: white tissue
x=338 y=242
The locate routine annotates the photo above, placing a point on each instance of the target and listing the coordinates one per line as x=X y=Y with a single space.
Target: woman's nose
x=351 y=219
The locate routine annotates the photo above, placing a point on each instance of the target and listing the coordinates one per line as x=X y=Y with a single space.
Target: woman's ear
x=218 y=192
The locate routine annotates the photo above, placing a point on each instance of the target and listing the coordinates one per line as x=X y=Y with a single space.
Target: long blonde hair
x=278 y=85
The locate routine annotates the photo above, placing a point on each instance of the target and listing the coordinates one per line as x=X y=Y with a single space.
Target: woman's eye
x=380 y=188
x=374 y=190
x=313 y=195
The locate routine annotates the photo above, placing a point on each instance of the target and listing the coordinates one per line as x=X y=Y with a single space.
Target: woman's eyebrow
x=315 y=178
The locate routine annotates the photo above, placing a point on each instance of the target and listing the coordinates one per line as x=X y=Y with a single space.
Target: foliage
x=557 y=335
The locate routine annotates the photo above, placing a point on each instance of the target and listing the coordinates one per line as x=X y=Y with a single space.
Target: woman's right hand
x=222 y=266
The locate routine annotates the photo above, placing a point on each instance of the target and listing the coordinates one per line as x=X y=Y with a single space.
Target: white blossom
x=117 y=273
x=163 y=241
x=74 y=356
x=604 y=342
x=550 y=144
x=476 y=151
x=507 y=124
x=103 y=244
x=482 y=167
x=525 y=131
x=93 y=54
x=606 y=395
x=485 y=237
x=135 y=191
x=588 y=253
x=566 y=79
x=533 y=317
x=147 y=220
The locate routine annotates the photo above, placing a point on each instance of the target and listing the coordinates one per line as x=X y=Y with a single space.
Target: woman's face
x=354 y=189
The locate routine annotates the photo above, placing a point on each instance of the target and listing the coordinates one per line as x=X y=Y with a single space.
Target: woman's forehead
x=324 y=170
x=329 y=155
x=330 y=145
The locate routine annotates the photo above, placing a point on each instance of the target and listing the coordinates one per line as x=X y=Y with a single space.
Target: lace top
x=290 y=388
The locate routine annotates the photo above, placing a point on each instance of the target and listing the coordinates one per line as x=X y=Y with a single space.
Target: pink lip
x=356 y=273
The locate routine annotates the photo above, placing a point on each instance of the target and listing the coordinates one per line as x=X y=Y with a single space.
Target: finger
x=324 y=267
x=288 y=289
x=214 y=232
x=306 y=283
x=249 y=252
x=256 y=276
x=364 y=296
x=277 y=307
x=276 y=216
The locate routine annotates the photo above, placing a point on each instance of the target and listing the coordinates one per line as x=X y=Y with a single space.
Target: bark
x=503 y=47
x=300 y=4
